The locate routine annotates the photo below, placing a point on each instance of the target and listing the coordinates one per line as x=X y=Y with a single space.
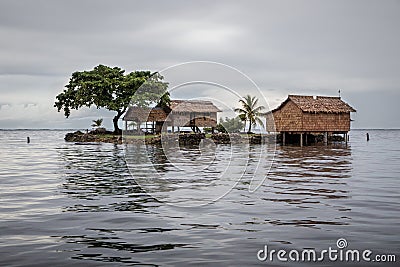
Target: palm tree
x=97 y=123
x=250 y=111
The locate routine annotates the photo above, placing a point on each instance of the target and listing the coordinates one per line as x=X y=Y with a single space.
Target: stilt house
x=180 y=113
x=300 y=116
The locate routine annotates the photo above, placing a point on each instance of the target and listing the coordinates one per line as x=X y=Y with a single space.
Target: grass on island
x=148 y=136
x=125 y=136
x=139 y=136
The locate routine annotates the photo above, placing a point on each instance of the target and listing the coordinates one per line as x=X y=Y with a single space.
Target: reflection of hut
x=298 y=117
x=180 y=113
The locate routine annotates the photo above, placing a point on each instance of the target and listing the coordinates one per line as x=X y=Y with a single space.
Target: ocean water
x=67 y=204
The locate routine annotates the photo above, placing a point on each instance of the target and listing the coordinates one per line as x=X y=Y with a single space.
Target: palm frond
x=259 y=121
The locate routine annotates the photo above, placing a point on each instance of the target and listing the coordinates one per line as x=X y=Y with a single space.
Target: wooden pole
x=283 y=138
x=28 y=139
x=301 y=139
x=326 y=138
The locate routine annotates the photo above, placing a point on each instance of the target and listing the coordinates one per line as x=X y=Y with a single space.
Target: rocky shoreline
x=90 y=137
x=182 y=139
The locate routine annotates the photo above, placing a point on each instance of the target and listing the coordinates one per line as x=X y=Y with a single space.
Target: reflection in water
x=95 y=172
x=196 y=175
x=308 y=178
x=116 y=245
x=63 y=204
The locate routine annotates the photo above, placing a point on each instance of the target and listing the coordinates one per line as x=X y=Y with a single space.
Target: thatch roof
x=193 y=106
x=318 y=104
x=159 y=114
x=145 y=114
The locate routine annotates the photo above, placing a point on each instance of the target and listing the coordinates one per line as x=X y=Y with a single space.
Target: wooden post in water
x=367 y=136
x=283 y=138
x=326 y=138
x=301 y=139
x=28 y=140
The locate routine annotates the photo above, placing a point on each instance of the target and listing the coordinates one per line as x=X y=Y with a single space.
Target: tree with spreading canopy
x=111 y=88
x=250 y=111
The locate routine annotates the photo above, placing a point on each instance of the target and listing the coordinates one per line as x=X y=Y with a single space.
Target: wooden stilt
x=301 y=139
x=283 y=138
x=326 y=138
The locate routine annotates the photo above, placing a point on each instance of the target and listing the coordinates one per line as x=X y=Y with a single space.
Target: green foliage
x=110 y=88
x=152 y=91
x=232 y=125
x=97 y=123
x=207 y=129
x=250 y=111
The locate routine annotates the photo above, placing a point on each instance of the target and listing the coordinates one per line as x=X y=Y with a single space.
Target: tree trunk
x=249 y=127
x=117 y=130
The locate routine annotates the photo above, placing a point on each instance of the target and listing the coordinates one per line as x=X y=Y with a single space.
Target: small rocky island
x=100 y=135
x=103 y=136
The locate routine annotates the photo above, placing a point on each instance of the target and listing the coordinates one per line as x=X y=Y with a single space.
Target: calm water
x=67 y=204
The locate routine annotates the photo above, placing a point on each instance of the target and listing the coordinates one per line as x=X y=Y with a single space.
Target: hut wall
x=326 y=122
x=200 y=119
x=205 y=122
x=288 y=118
x=270 y=123
x=180 y=118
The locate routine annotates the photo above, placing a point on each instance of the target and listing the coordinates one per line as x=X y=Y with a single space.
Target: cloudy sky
x=285 y=47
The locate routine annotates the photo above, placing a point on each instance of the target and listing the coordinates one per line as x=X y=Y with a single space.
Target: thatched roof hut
x=180 y=113
x=310 y=114
x=197 y=106
x=145 y=114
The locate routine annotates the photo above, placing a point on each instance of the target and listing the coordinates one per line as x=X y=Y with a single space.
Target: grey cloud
x=306 y=47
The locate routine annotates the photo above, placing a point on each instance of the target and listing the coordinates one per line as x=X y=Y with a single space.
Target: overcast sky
x=285 y=47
